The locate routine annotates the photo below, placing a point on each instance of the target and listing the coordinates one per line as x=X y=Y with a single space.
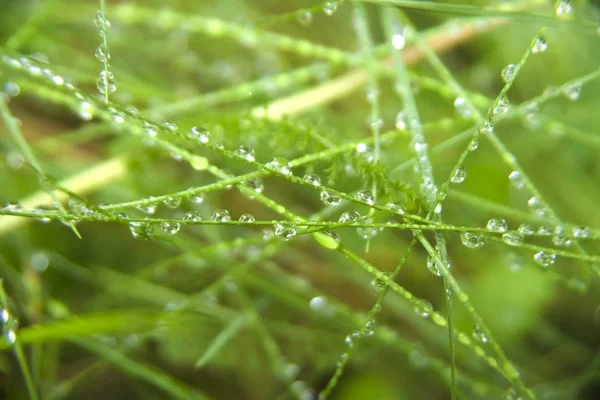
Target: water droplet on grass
x=255 y=184
x=246 y=153
x=285 y=232
x=525 y=229
x=539 y=46
x=379 y=284
x=479 y=334
x=513 y=239
x=516 y=180
x=192 y=216
x=502 y=106
x=330 y=7
x=366 y=197
x=508 y=72
x=349 y=216
x=497 y=225
x=172 y=202
x=545 y=258
x=304 y=17
x=432 y=266
x=573 y=92
x=401 y=121
x=281 y=165
x=170 y=228
x=581 y=232
x=329 y=198
x=471 y=240
x=247 y=218
x=459 y=175
x=141 y=230
x=199 y=134
x=423 y=308
x=312 y=179
x=462 y=108
x=564 y=9
x=106 y=82
x=220 y=215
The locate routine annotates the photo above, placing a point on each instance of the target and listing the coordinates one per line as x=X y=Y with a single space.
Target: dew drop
x=149 y=209
x=318 y=303
x=369 y=232
x=220 y=215
x=312 y=179
x=85 y=110
x=544 y=258
x=508 y=72
x=255 y=184
x=197 y=198
x=540 y=45
x=502 y=106
x=365 y=196
x=398 y=41
x=329 y=198
x=101 y=54
x=10 y=337
x=473 y=145
x=536 y=206
x=285 y=232
x=246 y=153
x=401 y=121
x=471 y=240
x=247 y=218
x=150 y=129
x=170 y=228
x=516 y=180
x=351 y=338
x=4 y=316
x=369 y=328
x=281 y=165
x=349 y=216
x=488 y=126
x=172 y=202
x=192 y=216
x=513 y=239
x=106 y=82
x=330 y=7
x=564 y=8
x=497 y=225
x=479 y=334
x=423 y=308
x=432 y=266
x=581 y=232
x=573 y=92
x=379 y=284
x=304 y=17
x=396 y=207
x=544 y=231
x=459 y=175
x=559 y=238
x=462 y=108
x=525 y=229
x=200 y=135
x=141 y=230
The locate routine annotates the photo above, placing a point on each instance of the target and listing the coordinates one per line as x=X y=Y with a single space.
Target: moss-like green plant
x=272 y=200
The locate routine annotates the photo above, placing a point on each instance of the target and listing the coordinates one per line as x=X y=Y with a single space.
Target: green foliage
x=340 y=199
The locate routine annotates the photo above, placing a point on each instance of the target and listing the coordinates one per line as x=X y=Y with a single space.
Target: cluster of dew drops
x=106 y=81
x=8 y=326
x=305 y=16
